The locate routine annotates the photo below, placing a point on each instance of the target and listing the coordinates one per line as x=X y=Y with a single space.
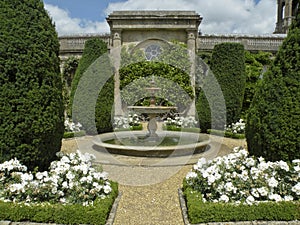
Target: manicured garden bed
x=226 y=134
x=238 y=187
x=71 y=191
x=58 y=213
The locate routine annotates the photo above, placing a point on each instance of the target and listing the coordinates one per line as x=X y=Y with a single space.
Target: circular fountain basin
x=152 y=109
x=168 y=143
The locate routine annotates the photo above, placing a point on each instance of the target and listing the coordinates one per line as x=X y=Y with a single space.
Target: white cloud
x=219 y=16
x=66 y=25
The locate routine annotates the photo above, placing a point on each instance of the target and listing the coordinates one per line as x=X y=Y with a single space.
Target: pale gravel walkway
x=149 y=192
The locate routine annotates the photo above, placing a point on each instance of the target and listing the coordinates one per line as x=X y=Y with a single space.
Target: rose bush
x=70 y=180
x=242 y=179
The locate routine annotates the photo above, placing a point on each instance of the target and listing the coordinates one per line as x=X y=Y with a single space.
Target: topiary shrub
x=228 y=67
x=104 y=107
x=93 y=67
x=31 y=115
x=273 y=122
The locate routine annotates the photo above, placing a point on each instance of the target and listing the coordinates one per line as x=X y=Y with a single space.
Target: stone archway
x=148 y=28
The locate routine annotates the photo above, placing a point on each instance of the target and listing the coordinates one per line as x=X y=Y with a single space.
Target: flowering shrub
x=127 y=122
x=184 y=122
x=72 y=179
x=71 y=126
x=236 y=128
x=241 y=179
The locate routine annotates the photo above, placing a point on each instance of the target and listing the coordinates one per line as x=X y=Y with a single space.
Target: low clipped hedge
x=138 y=127
x=183 y=129
x=74 y=134
x=60 y=213
x=200 y=212
x=226 y=134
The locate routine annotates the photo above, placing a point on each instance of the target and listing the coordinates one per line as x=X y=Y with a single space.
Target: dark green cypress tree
x=228 y=67
x=93 y=49
x=94 y=68
x=31 y=109
x=273 y=123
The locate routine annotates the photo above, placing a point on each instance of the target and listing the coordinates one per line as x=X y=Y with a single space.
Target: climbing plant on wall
x=172 y=64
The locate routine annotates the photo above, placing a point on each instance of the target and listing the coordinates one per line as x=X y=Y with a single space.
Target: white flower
x=250 y=162
x=191 y=175
x=65 y=184
x=275 y=197
x=211 y=179
x=288 y=198
x=54 y=190
x=296 y=188
x=230 y=188
x=272 y=182
x=26 y=177
x=250 y=200
x=224 y=198
x=263 y=191
x=255 y=192
x=16 y=187
x=70 y=176
x=107 y=189
x=65 y=159
x=283 y=165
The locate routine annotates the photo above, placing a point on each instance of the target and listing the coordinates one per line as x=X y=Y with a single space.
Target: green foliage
x=93 y=49
x=166 y=77
x=273 y=124
x=59 y=213
x=228 y=67
x=95 y=94
x=226 y=134
x=171 y=67
x=256 y=65
x=31 y=115
x=104 y=107
x=199 y=212
x=74 y=134
x=69 y=69
x=182 y=129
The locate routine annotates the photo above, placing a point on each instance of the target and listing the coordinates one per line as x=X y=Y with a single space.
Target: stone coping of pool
x=176 y=150
x=109 y=221
x=186 y=220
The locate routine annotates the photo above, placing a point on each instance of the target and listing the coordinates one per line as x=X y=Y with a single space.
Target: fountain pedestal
x=152 y=111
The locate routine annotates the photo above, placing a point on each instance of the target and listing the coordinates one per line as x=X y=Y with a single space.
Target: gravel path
x=150 y=193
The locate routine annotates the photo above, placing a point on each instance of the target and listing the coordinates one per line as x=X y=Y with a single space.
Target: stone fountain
x=152 y=143
x=152 y=111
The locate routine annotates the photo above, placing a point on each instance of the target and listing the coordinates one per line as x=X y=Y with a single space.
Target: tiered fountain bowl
x=153 y=143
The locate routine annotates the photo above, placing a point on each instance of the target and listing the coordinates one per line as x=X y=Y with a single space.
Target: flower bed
x=72 y=129
x=238 y=187
x=235 y=130
x=71 y=192
x=184 y=124
x=131 y=122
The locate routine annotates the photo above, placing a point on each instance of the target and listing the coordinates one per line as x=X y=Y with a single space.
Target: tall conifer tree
x=273 y=124
x=31 y=109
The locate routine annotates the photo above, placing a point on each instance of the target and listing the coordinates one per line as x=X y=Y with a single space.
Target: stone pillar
x=287 y=15
x=116 y=59
x=279 y=22
x=191 y=46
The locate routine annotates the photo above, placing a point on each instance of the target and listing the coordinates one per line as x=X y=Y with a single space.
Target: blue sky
x=255 y=17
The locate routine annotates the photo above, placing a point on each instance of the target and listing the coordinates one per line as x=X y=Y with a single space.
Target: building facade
x=286 y=11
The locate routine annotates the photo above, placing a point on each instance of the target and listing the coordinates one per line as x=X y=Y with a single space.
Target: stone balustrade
x=269 y=43
x=73 y=45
